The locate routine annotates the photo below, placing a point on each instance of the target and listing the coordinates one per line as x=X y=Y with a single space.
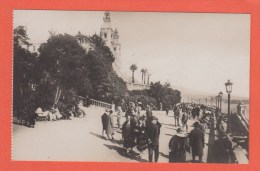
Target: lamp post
x=228 y=85
x=199 y=101
x=206 y=101
x=211 y=101
x=220 y=100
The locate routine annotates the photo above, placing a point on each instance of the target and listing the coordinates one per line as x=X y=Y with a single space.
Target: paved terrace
x=80 y=139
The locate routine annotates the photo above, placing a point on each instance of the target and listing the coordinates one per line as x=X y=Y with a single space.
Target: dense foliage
x=24 y=73
x=156 y=95
x=63 y=71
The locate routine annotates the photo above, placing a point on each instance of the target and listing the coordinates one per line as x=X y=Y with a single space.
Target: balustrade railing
x=96 y=102
x=100 y=104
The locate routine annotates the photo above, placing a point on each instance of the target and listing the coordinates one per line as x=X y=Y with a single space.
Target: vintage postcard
x=108 y=87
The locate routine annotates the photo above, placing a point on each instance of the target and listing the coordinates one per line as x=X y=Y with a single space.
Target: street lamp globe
x=228 y=85
x=220 y=93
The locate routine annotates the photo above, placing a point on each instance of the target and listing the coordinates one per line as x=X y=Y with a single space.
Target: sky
x=198 y=51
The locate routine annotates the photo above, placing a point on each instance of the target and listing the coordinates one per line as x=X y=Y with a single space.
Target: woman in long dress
x=178 y=146
x=141 y=137
x=128 y=134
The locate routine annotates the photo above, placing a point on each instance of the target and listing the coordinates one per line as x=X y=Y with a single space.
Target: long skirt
x=177 y=156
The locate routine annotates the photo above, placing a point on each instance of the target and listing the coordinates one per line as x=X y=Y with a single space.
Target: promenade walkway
x=80 y=139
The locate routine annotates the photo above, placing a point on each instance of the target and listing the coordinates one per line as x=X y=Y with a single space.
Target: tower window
x=114 y=49
x=105 y=35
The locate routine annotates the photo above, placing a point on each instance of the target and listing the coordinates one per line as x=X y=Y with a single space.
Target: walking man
x=104 y=119
x=176 y=115
x=197 y=142
x=184 y=120
x=110 y=125
x=153 y=135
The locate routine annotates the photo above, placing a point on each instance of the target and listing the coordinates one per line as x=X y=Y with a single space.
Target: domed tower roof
x=107 y=20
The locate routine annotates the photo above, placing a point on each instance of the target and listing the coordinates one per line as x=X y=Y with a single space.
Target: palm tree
x=143 y=71
x=133 y=67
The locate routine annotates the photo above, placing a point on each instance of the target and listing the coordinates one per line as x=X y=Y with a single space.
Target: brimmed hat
x=107 y=110
x=181 y=133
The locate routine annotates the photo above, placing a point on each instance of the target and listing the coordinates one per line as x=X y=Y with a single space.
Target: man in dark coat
x=153 y=135
x=197 y=141
x=104 y=119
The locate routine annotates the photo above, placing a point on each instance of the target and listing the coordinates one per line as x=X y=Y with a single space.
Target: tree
x=63 y=67
x=106 y=83
x=100 y=45
x=164 y=94
x=133 y=67
x=24 y=74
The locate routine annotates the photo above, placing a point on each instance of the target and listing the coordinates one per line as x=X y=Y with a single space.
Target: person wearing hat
x=153 y=139
x=128 y=134
x=104 y=119
x=222 y=149
x=110 y=125
x=141 y=136
x=178 y=146
x=149 y=114
x=138 y=109
x=197 y=141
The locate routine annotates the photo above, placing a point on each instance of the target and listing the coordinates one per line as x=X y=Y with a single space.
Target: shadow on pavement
x=167 y=124
x=97 y=135
x=164 y=155
x=114 y=141
x=171 y=128
x=121 y=151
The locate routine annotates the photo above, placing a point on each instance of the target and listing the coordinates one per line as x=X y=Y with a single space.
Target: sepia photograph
x=110 y=86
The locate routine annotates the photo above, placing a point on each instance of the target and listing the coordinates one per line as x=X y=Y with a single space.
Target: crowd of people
x=54 y=114
x=142 y=130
